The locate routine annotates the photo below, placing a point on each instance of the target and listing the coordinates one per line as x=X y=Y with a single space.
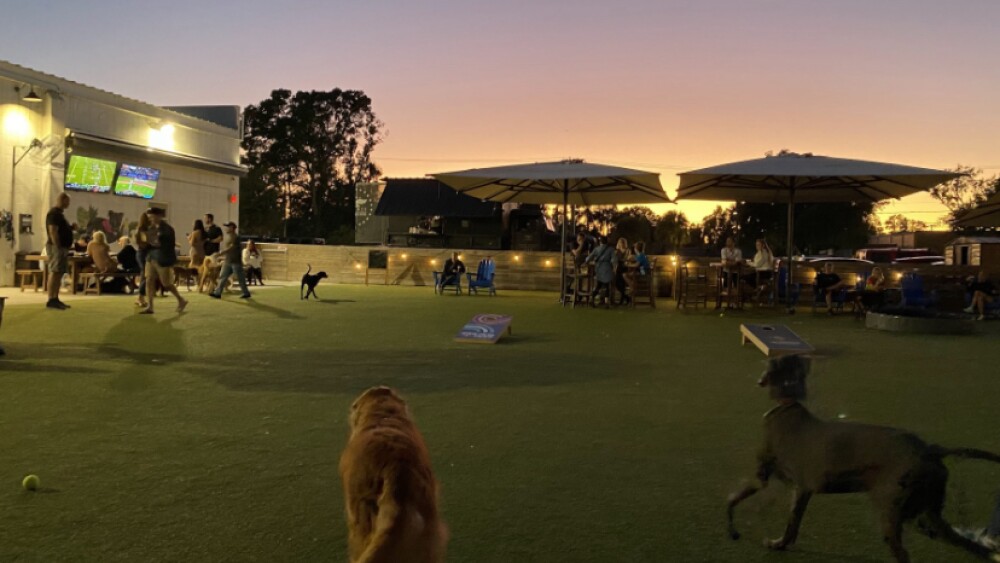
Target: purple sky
x=661 y=85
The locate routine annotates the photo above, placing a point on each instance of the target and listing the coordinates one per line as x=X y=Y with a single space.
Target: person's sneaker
x=55 y=304
x=968 y=309
x=981 y=318
x=245 y=296
x=214 y=296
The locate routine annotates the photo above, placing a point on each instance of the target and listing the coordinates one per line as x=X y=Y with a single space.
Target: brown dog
x=389 y=489
x=904 y=476
x=208 y=274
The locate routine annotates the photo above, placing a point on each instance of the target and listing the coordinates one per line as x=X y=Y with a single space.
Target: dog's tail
x=966 y=453
x=388 y=517
x=309 y=269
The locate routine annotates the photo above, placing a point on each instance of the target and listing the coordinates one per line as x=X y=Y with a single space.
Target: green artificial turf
x=589 y=435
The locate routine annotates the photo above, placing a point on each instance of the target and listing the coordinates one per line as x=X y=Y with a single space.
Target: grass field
x=91 y=174
x=587 y=436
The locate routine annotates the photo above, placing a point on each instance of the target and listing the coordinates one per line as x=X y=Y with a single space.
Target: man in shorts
x=160 y=260
x=57 y=249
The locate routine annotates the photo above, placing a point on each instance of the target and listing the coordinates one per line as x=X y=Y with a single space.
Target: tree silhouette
x=306 y=151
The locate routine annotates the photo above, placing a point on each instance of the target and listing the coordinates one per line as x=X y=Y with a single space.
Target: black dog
x=310 y=281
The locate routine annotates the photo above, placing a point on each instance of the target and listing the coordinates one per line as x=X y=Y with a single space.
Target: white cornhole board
x=774 y=340
x=485 y=329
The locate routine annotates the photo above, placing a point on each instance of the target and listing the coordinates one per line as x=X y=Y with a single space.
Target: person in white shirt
x=252 y=262
x=763 y=267
x=732 y=259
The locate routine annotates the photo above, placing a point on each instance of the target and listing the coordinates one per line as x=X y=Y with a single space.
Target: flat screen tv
x=137 y=181
x=90 y=174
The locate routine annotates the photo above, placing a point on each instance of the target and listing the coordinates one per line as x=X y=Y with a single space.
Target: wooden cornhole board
x=774 y=340
x=485 y=329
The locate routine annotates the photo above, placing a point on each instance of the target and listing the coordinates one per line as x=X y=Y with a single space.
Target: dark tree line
x=305 y=153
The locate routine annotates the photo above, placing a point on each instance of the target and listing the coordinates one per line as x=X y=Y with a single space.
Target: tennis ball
x=30 y=483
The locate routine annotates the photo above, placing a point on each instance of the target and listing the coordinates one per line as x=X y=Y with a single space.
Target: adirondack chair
x=912 y=289
x=455 y=282
x=483 y=278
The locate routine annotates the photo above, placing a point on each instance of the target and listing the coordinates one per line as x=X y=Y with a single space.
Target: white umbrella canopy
x=806 y=178
x=572 y=182
x=569 y=182
x=985 y=215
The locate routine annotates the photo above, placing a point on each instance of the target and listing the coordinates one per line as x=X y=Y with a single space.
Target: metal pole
x=562 y=244
x=790 y=268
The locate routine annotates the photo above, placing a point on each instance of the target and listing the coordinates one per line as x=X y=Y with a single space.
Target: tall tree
x=672 y=231
x=307 y=151
x=965 y=192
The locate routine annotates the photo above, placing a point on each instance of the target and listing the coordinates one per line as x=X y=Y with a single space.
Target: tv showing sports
x=90 y=174
x=137 y=181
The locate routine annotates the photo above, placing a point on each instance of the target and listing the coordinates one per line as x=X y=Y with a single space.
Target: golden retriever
x=389 y=489
x=208 y=274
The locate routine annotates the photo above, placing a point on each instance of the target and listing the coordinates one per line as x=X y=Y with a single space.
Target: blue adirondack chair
x=912 y=289
x=455 y=282
x=483 y=277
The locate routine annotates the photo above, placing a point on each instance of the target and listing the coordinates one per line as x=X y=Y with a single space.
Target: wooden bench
x=30 y=278
x=87 y=277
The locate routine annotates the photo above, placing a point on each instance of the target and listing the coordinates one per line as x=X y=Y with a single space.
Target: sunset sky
x=660 y=85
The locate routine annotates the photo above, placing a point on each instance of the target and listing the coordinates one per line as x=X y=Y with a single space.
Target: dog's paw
x=776 y=545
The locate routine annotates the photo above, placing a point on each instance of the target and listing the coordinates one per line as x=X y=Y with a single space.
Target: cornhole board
x=485 y=329
x=774 y=340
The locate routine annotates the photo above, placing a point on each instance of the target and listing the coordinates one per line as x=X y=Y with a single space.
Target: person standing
x=160 y=260
x=142 y=232
x=213 y=235
x=605 y=261
x=232 y=263
x=196 y=238
x=57 y=248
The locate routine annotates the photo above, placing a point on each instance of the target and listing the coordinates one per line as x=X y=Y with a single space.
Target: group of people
x=152 y=259
x=758 y=274
x=616 y=268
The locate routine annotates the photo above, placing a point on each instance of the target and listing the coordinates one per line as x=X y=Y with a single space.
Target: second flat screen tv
x=90 y=174
x=137 y=181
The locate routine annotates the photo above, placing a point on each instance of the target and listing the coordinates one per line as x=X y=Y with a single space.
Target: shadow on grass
x=276 y=311
x=336 y=301
x=420 y=371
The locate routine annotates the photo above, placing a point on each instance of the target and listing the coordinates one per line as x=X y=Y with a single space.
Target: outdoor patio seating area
x=626 y=429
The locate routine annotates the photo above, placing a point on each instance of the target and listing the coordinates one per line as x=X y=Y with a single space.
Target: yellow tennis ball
x=30 y=483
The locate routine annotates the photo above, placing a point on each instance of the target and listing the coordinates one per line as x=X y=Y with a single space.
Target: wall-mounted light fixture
x=30 y=97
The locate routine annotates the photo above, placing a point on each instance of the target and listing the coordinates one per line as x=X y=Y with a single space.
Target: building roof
x=428 y=197
x=975 y=240
x=60 y=85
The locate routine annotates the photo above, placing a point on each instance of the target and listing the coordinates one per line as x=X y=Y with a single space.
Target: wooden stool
x=30 y=278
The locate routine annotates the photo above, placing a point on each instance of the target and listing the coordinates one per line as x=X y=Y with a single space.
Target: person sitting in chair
x=983 y=292
x=763 y=268
x=873 y=295
x=828 y=283
x=252 y=262
x=453 y=268
x=100 y=253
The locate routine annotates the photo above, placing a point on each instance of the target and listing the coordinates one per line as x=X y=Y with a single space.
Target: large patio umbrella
x=985 y=215
x=804 y=178
x=567 y=182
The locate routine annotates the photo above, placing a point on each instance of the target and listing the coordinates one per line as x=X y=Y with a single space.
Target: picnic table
x=77 y=262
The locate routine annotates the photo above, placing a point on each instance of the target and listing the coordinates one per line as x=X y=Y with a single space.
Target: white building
x=187 y=157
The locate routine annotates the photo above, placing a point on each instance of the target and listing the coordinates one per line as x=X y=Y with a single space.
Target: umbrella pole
x=562 y=244
x=790 y=268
